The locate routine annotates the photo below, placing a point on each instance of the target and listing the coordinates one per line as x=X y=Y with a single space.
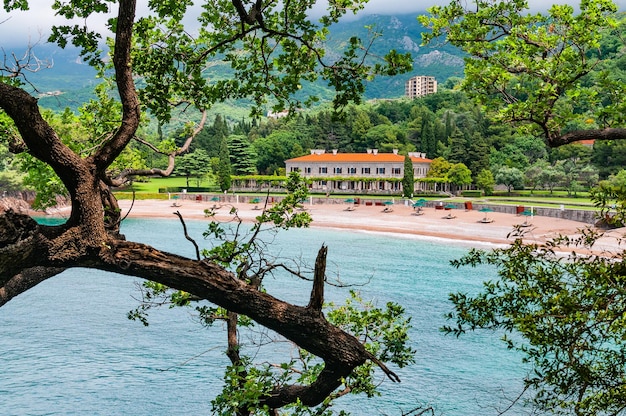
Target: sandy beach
x=466 y=226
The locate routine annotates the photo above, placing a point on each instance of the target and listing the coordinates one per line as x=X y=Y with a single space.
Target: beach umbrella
x=255 y=201
x=422 y=200
x=388 y=202
x=215 y=198
x=486 y=210
x=419 y=203
x=527 y=213
x=450 y=206
x=349 y=201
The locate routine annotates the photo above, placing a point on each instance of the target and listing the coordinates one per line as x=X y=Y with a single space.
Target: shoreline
x=465 y=228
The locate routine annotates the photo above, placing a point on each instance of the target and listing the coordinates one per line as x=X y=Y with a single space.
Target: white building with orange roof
x=373 y=171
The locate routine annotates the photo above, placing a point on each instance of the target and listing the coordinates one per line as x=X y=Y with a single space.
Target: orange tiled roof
x=356 y=158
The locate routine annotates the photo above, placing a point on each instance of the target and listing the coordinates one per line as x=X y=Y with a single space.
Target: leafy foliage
x=195 y=164
x=566 y=315
x=382 y=331
x=510 y=177
x=610 y=197
x=537 y=70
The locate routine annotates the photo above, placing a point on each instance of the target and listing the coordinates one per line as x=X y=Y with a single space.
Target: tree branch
x=182 y=221
x=125 y=86
x=25 y=280
x=578 y=135
x=122 y=178
x=317 y=293
x=41 y=140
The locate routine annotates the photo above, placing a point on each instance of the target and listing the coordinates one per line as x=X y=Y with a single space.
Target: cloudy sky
x=19 y=27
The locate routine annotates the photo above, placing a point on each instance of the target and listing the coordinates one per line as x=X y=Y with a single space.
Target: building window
x=380 y=171
x=323 y=169
x=338 y=170
x=365 y=171
x=352 y=170
x=396 y=171
x=307 y=170
x=295 y=169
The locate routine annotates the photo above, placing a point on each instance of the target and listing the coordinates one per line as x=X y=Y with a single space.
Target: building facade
x=371 y=172
x=419 y=86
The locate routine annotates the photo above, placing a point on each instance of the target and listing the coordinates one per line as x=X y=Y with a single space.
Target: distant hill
x=70 y=81
x=404 y=34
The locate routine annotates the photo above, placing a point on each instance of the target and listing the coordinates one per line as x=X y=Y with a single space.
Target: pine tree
x=224 y=168
x=408 y=180
x=242 y=156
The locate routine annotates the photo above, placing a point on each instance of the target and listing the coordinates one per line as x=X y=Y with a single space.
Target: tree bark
x=578 y=135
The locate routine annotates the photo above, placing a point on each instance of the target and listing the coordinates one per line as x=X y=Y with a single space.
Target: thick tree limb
x=26 y=280
x=577 y=135
x=125 y=86
x=84 y=185
x=41 y=140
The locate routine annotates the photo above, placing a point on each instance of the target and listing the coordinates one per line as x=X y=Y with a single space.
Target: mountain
x=404 y=34
x=70 y=81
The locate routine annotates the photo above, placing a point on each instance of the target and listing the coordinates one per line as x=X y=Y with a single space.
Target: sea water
x=67 y=347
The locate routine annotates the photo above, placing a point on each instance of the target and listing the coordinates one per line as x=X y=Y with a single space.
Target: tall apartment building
x=419 y=86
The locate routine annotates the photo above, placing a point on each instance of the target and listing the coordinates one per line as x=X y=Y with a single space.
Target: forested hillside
x=69 y=80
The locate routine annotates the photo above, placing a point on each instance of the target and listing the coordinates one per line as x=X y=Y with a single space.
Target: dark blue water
x=68 y=349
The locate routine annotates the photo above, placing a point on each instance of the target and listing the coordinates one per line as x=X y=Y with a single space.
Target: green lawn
x=150 y=188
x=153 y=184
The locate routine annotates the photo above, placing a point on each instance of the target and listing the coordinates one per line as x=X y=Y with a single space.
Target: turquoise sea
x=68 y=349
